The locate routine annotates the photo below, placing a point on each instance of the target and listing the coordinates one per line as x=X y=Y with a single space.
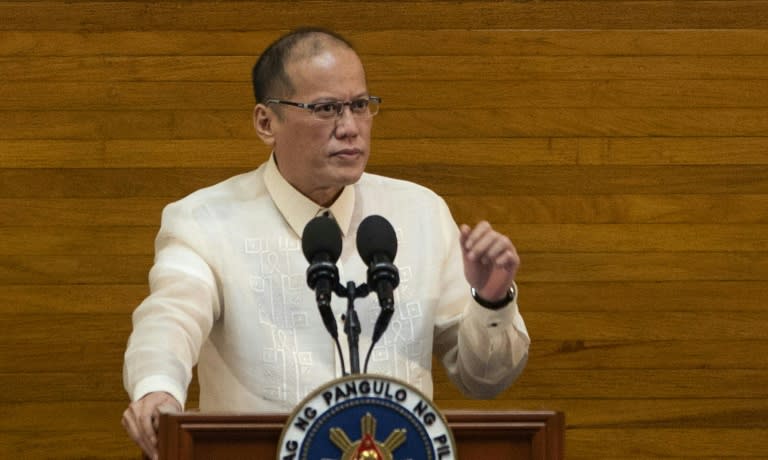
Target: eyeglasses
x=365 y=107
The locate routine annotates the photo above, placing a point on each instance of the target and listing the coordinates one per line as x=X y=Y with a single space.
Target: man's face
x=320 y=157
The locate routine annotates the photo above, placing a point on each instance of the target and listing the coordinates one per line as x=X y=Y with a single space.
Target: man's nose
x=346 y=124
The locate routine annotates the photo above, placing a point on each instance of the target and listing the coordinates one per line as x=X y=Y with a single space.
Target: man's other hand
x=490 y=260
x=141 y=419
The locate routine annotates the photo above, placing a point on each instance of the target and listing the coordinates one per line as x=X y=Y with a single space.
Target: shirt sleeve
x=170 y=325
x=483 y=351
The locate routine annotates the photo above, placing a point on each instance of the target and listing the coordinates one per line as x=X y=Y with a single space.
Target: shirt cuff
x=159 y=383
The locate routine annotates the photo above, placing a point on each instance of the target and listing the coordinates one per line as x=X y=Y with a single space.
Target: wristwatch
x=497 y=304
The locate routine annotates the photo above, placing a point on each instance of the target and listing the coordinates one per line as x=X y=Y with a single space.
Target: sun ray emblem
x=367 y=448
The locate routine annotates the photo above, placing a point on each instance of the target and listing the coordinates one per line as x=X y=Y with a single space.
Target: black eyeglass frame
x=339 y=106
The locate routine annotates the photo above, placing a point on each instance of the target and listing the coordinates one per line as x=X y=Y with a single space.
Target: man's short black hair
x=268 y=74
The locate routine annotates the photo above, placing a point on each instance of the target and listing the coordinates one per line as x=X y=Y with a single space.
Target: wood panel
x=621 y=144
x=584 y=414
x=456 y=96
x=540 y=267
x=496 y=151
x=623 y=344
x=445 y=180
x=89 y=16
x=392 y=68
x=702 y=125
x=529 y=238
x=653 y=443
x=406 y=42
x=587 y=384
x=500 y=209
x=589 y=296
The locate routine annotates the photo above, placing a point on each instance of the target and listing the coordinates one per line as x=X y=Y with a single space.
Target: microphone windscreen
x=321 y=235
x=376 y=235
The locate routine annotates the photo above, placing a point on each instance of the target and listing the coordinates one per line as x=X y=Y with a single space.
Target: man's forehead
x=323 y=67
x=316 y=45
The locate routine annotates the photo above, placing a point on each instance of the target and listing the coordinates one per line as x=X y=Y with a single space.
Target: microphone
x=321 y=244
x=377 y=245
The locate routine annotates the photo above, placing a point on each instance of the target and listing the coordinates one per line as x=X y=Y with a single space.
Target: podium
x=535 y=435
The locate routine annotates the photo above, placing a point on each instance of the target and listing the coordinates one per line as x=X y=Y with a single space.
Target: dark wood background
x=623 y=145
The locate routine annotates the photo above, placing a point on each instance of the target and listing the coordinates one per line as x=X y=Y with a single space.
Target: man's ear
x=263 y=120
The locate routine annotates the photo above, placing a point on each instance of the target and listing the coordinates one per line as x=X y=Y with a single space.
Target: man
x=228 y=287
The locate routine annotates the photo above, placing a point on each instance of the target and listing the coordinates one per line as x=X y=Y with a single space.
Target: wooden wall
x=623 y=145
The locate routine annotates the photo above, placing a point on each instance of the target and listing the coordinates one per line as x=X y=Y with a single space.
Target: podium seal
x=366 y=417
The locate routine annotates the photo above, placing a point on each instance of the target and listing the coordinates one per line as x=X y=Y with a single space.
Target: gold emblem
x=367 y=448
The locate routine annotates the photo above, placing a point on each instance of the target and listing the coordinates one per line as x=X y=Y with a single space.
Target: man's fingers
x=131 y=424
x=142 y=419
x=491 y=248
x=503 y=253
x=168 y=408
x=508 y=260
x=147 y=433
x=476 y=241
x=472 y=236
x=148 y=427
x=155 y=422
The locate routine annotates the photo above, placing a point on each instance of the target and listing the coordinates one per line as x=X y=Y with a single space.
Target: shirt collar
x=297 y=209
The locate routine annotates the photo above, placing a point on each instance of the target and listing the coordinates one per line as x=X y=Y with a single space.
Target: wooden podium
x=538 y=435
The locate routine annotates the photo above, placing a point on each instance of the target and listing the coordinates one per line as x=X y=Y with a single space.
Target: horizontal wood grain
x=445 y=180
x=396 y=95
x=83 y=240
x=80 y=269
x=392 y=67
x=238 y=16
x=493 y=151
x=25 y=417
x=609 y=208
x=686 y=415
x=649 y=354
x=640 y=413
x=470 y=208
x=78 y=212
x=415 y=126
x=594 y=340
x=672 y=151
x=539 y=267
x=575 y=326
x=691 y=266
x=610 y=384
x=103 y=444
x=587 y=179
x=549 y=238
x=567 y=238
x=72 y=299
x=534 y=384
x=76 y=355
x=404 y=42
x=71 y=350
x=580 y=413
x=622 y=296
x=653 y=443
x=108 y=183
x=570 y=68
x=726 y=297
x=645 y=445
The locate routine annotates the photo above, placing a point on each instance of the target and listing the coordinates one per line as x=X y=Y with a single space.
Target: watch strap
x=496 y=305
